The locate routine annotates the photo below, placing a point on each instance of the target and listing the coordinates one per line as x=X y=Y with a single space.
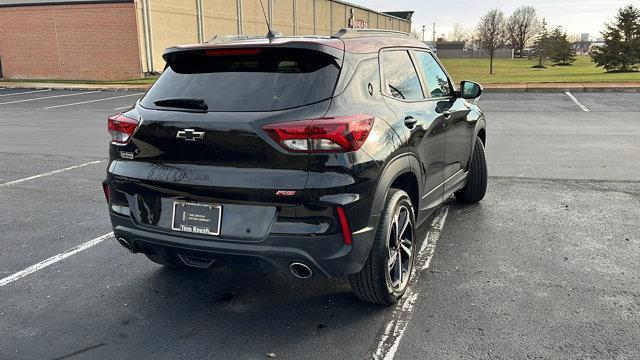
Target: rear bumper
x=326 y=255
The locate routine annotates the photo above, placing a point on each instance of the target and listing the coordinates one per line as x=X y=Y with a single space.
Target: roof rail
x=346 y=33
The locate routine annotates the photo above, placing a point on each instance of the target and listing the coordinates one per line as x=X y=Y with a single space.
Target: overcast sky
x=576 y=16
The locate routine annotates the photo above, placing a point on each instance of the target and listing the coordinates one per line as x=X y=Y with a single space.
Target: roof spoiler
x=324 y=44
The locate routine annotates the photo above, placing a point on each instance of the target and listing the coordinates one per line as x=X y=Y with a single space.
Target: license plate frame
x=190 y=226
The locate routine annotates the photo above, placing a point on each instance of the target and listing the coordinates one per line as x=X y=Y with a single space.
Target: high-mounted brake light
x=121 y=128
x=334 y=134
x=232 y=52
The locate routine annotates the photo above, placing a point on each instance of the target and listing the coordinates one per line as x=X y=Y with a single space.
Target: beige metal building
x=164 y=23
x=121 y=39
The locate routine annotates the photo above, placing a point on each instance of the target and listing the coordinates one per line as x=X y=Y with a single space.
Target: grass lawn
x=508 y=71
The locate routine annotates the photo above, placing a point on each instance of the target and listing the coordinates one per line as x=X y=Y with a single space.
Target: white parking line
x=122 y=107
x=390 y=338
x=577 y=102
x=49 y=97
x=49 y=173
x=26 y=92
x=91 y=101
x=54 y=259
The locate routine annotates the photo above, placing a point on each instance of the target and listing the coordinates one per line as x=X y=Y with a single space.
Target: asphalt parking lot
x=547 y=266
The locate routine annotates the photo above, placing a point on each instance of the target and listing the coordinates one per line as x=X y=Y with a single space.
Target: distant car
x=432 y=45
x=525 y=53
x=317 y=156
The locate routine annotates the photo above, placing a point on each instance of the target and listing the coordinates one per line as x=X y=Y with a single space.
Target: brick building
x=123 y=39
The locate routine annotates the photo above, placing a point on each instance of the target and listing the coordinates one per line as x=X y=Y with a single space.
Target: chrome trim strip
x=445 y=182
x=434 y=189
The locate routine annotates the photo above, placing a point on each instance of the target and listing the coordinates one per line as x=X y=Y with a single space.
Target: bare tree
x=574 y=37
x=522 y=27
x=491 y=34
x=577 y=44
x=461 y=34
x=458 y=33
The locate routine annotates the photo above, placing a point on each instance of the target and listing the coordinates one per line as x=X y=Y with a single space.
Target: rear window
x=247 y=79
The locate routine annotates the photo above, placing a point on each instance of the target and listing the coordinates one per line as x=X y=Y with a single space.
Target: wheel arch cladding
x=398 y=172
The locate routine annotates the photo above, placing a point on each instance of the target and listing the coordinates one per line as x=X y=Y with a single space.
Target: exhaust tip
x=125 y=244
x=300 y=270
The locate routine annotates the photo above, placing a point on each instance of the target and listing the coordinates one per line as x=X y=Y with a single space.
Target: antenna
x=270 y=35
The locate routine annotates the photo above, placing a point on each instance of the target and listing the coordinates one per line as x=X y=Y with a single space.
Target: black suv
x=312 y=155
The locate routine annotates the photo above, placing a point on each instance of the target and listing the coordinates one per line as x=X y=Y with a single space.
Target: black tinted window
x=400 y=75
x=437 y=81
x=249 y=80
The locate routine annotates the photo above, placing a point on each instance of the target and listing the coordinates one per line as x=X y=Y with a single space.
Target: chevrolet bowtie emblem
x=190 y=135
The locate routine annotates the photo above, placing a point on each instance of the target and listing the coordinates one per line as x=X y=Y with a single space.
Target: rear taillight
x=334 y=134
x=121 y=128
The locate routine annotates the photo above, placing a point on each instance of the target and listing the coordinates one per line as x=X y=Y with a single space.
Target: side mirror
x=470 y=90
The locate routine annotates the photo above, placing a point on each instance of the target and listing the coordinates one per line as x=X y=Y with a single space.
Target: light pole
x=434 y=32
x=423 y=30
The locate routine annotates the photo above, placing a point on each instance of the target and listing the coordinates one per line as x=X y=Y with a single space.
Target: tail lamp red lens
x=332 y=134
x=344 y=225
x=121 y=128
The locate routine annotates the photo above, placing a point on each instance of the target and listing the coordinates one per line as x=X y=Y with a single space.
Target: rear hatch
x=199 y=135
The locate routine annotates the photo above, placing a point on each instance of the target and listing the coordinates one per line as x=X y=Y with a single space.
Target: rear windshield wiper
x=183 y=103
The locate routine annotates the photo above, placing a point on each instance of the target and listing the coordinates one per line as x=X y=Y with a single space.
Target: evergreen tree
x=621 y=50
x=561 y=51
x=540 y=49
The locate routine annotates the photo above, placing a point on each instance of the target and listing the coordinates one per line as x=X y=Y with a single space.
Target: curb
x=559 y=87
x=552 y=90
x=63 y=86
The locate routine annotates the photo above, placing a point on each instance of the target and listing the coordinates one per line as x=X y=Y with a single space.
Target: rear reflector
x=334 y=134
x=344 y=225
x=232 y=52
x=107 y=194
x=121 y=128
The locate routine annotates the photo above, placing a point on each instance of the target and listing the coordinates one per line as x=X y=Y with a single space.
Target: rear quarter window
x=258 y=80
x=400 y=75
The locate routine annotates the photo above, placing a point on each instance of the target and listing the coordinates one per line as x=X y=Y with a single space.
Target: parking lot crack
x=81 y=351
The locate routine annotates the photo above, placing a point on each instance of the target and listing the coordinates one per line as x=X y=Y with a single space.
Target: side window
x=437 y=81
x=400 y=75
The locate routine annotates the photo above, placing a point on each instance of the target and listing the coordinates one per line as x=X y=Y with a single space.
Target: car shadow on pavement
x=243 y=314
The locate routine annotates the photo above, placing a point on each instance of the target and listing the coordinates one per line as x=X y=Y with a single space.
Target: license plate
x=196 y=218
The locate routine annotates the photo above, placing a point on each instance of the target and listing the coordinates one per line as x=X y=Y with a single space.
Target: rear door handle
x=410 y=122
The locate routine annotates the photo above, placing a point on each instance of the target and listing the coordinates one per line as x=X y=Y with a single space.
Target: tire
x=476 y=186
x=378 y=282
x=164 y=260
